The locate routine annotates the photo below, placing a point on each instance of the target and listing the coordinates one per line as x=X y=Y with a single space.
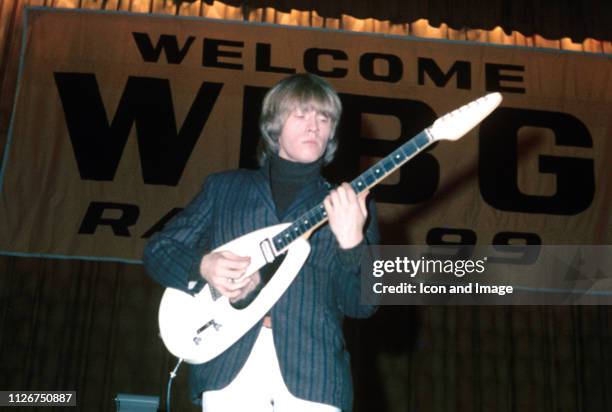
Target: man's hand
x=253 y=281
x=225 y=271
x=347 y=215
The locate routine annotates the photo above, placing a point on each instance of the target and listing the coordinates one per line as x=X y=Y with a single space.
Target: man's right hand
x=225 y=271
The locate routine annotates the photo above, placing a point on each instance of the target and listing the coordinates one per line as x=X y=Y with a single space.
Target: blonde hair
x=304 y=91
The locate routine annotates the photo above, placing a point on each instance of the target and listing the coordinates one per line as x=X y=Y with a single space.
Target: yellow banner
x=120 y=117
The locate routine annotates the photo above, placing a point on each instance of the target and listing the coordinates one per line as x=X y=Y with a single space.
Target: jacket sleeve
x=347 y=271
x=172 y=257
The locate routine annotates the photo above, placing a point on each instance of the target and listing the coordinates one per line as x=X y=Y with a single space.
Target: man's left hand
x=347 y=214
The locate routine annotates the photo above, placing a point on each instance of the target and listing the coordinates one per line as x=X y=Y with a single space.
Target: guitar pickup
x=266 y=250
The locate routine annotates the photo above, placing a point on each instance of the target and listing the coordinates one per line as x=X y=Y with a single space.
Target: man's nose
x=313 y=123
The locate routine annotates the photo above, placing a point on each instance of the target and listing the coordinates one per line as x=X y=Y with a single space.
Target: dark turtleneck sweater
x=288 y=178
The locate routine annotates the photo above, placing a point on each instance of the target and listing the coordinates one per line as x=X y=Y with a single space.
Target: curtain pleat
x=555 y=19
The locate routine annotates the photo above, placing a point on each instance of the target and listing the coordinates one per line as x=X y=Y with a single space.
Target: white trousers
x=259 y=386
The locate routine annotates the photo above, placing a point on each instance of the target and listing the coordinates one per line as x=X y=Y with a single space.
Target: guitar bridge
x=217 y=326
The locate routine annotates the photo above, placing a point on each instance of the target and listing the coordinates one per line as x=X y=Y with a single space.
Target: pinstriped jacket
x=308 y=317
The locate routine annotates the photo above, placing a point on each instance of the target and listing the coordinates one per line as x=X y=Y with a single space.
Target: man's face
x=304 y=136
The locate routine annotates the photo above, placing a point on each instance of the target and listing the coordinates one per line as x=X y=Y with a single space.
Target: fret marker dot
x=377 y=170
x=359 y=183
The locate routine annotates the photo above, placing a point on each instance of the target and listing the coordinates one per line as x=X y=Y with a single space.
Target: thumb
x=362 y=202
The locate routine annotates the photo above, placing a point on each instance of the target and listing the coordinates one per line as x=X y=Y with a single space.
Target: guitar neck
x=316 y=216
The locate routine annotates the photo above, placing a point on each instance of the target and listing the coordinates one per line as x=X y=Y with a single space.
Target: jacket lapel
x=261 y=182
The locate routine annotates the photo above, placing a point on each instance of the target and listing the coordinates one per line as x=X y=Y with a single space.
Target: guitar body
x=197 y=328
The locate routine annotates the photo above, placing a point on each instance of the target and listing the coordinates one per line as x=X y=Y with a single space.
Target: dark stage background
x=92 y=327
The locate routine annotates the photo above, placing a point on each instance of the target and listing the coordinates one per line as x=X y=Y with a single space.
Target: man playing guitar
x=294 y=359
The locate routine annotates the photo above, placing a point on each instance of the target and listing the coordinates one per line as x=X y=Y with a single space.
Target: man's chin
x=309 y=156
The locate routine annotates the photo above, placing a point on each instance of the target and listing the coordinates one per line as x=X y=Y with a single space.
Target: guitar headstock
x=457 y=123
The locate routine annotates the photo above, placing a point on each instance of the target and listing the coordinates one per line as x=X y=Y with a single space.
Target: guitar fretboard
x=317 y=215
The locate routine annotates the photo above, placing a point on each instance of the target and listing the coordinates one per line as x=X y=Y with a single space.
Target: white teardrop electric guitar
x=199 y=327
